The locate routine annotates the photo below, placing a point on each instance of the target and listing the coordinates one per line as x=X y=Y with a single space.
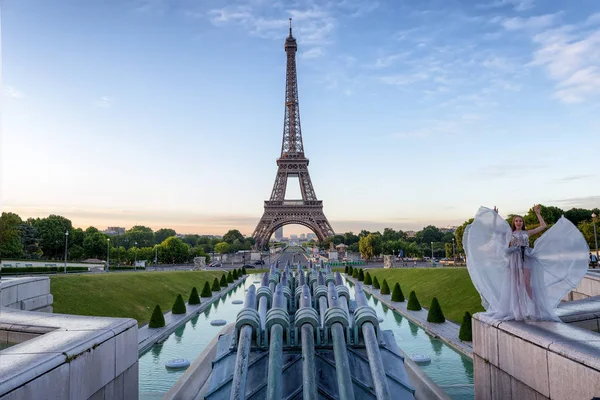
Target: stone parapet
x=588 y=287
x=534 y=360
x=28 y=294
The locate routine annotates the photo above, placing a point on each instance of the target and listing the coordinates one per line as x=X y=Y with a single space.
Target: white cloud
x=535 y=23
x=518 y=5
x=104 y=102
x=10 y=91
x=403 y=79
x=313 y=52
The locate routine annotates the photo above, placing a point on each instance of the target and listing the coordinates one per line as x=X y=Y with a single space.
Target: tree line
x=46 y=238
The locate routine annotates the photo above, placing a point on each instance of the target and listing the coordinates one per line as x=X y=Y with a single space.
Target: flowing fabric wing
x=563 y=254
x=485 y=242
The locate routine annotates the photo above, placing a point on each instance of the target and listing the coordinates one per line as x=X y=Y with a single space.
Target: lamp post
x=432 y=254
x=135 y=260
x=107 y=253
x=594 y=216
x=453 y=251
x=155 y=254
x=67 y=243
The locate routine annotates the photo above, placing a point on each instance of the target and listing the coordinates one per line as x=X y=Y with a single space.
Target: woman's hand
x=537 y=209
x=495 y=209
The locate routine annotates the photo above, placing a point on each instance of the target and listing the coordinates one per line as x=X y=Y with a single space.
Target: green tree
x=30 y=241
x=448 y=249
x=435 y=313
x=361 y=275
x=223 y=282
x=76 y=253
x=157 y=320
x=413 y=302
x=51 y=232
x=375 y=283
x=385 y=289
x=230 y=277
x=94 y=245
x=578 y=215
x=368 y=280
x=369 y=246
x=397 y=294
x=458 y=235
x=429 y=234
x=162 y=234
x=194 y=298
x=587 y=229
x=216 y=286
x=143 y=235
x=550 y=214
x=222 y=247
x=179 y=305
x=174 y=250
x=206 y=292
x=11 y=245
x=466 y=330
x=232 y=235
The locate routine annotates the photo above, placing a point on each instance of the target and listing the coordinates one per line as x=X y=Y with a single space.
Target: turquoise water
x=448 y=368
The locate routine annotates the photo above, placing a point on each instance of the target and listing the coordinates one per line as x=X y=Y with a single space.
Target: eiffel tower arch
x=292 y=164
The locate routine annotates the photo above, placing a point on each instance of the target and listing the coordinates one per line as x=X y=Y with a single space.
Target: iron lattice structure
x=292 y=163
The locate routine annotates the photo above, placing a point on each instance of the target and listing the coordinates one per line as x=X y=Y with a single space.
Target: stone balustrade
x=29 y=294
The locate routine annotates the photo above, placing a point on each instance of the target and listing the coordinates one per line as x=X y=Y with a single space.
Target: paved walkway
x=147 y=337
x=446 y=331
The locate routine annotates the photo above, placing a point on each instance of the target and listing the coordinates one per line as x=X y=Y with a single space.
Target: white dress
x=499 y=261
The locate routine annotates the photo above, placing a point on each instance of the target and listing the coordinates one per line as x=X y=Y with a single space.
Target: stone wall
x=29 y=294
x=588 y=287
x=534 y=360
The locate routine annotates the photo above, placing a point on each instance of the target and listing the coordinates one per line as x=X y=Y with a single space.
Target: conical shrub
x=350 y=270
x=206 y=292
x=179 y=305
x=230 y=277
x=413 y=302
x=397 y=294
x=466 y=329
x=368 y=280
x=346 y=269
x=194 y=298
x=375 y=283
x=435 y=313
x=223 y=281
x=385 y=289
x=355 y=273
x=157 y=320
x=361 y=276
x=235 y=274
x=216 y=286
x=243 y=270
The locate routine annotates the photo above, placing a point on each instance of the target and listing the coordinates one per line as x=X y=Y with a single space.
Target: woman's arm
x=542 y=226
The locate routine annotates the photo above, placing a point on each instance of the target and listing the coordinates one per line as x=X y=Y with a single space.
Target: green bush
x=385 y=289
x=124 y=268
x=230 y=277
x=375 y=283
x=350 y=270
x=157 y=320
x=355 y=273
x=361 y=276
x=194 y=298
x=397 y=294
x=346 y=269
x=435 y=313
x=368 y=280
x=235 y=275
x=216 y=286
x=206 y=292
x=466 y=329
x=244 y=271
x=413 y=302
x=223 y=281
x=43 y=270
x=179 y=306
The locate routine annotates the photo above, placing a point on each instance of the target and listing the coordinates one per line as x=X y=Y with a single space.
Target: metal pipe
x=343 y=303
x=309 y=379
x=263 y=304
x=322 y=299
x=274 y=387
x=240 y=369
x=340 y=353
x=382 y=390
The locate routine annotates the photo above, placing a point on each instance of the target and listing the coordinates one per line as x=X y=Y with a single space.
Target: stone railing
x=29 y=294
x=534 y=360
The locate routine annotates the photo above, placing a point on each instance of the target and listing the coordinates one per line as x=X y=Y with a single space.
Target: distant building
x=448 y=229
x=310 y=236
x=410 y=234
x=303 y=236
x=293 y=236
x=279 y=233
x=114 y=230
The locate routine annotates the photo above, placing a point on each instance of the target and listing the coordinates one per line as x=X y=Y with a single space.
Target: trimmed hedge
x=466 y=328
x=368 y=280
x=123 y=268
x=385 y=289
x=230 y=277
x=194 y=298
x=355 y=273
x=244 y=271
x=375 y=283
x=157 y=320
x=397 y=294
x=435 y=313
x=206 y=292
x=350 y=270
x=223 y=281
x=44 y=270
x=346 y=269
x=235 y=274
x=413 y=302
x=179 y=305
x=361 y=275
x=216 y=286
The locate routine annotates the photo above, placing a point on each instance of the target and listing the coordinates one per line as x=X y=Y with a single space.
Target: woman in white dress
x=517 y=282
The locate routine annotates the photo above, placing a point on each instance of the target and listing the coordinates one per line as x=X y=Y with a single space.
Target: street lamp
x=66 y=244
x=594 y=216
x=155 y=254
x=107 y=253
x=453 y=251
x=432 y=254
x=135 y=260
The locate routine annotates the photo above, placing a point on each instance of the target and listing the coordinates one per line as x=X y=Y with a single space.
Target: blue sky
x=169 y=113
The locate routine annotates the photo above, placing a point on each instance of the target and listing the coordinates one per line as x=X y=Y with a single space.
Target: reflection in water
x=179 y=333
x=384 y=308
x=437 y=346
x=375 y=301
x=414 y=329
x=194 y=321
x=156 y=351
x=398 y=318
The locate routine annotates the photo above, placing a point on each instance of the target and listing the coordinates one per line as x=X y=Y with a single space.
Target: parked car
x=259 y=262
x=248 y=266
x=215 y=264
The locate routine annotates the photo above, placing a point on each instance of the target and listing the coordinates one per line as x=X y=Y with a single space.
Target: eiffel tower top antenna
x=291 y=27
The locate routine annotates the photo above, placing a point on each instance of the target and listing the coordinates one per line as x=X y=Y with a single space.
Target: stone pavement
x=446 y=331
x=147 y=337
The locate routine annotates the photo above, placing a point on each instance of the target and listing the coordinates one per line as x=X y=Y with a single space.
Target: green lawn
x=124 y=294
x=452 y=287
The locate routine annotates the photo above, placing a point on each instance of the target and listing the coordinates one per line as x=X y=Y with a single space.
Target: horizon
x=170 y=116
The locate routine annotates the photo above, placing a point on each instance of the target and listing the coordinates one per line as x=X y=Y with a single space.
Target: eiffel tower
x=292 y=163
